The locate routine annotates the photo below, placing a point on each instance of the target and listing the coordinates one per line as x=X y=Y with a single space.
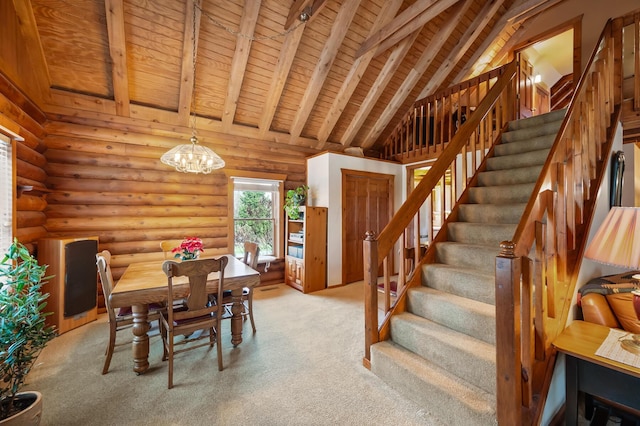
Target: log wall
x=20 y=116
x=109 y=182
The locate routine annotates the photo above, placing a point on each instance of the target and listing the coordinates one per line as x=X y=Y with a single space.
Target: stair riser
x=510 y=148
x=509 y=177
x=500 y=194
x=537 y=121
x=531 y=132
x=509 y=162
x=451 y=408
x=473 y=233
x=491 y=213
x=472 y=257
x=465 y=316
x=459 y=282
x=475 y=362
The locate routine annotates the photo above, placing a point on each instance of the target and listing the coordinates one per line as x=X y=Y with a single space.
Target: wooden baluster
x=370 y=256
x=387 y=286
x=528 y=332
x=538 y=288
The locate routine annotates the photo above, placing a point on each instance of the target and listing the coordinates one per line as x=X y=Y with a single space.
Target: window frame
x=8 y=182
x=278 y=244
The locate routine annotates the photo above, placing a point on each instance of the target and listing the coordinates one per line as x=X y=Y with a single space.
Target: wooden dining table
x=145 y=282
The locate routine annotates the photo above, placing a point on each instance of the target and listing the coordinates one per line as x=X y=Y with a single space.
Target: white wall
x=324 y=177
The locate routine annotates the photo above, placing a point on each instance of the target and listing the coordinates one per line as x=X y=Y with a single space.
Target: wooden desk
x=593 y=374
x=144 y=283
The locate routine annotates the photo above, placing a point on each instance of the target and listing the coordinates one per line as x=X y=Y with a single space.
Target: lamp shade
x=614 y=243
x=192 y=158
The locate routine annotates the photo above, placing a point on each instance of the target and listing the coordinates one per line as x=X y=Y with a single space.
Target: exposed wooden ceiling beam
x=192 y=16
x=35 y=52
x=527 y=9
x=436 y=44
x=415 y=25
x=118 y=53
x=410 y=14
x=90 y=110
x=386 y=74
x=280 y=74
x=311 y=7
x=351 y=81
x=477 y=26
x=327 y=56
x=240 y=57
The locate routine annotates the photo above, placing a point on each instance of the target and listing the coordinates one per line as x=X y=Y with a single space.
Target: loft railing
x=433 y=121
x=462 y=157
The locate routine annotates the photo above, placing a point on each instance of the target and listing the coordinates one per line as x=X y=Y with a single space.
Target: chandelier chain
x=194 y=58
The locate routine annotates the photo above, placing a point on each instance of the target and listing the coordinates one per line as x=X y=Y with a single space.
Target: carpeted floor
x=302 y=367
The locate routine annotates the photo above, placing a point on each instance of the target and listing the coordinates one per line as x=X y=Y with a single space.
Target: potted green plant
x=294 y=199
x=23 y=332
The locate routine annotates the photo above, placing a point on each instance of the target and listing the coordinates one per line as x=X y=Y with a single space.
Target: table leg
x=236 y=318
x=140 y=338
x=571 y=387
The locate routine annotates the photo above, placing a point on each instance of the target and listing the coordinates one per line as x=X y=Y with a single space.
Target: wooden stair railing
x=433 y=121
x=463 y=155
x=561 y=92
x=533 y=295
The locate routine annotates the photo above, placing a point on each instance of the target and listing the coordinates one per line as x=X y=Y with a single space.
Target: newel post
x=370 y=258
x=508 y=347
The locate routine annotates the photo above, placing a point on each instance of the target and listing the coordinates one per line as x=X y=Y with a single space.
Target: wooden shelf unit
x=306 y=257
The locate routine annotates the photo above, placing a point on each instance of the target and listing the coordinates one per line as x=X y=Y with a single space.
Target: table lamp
x=614 y=245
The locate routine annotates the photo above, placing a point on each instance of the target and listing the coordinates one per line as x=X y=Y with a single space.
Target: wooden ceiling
x=344 y=78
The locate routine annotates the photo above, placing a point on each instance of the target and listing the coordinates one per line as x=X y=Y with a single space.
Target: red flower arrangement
x=189 y=248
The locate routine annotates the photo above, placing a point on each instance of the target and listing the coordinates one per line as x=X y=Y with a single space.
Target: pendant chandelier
x=193 y=157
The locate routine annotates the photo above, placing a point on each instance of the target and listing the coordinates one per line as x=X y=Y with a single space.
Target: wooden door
x=366 y=206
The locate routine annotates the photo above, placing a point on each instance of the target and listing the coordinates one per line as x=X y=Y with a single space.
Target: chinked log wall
x=110 y=183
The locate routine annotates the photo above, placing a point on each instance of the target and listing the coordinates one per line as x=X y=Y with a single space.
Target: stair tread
x=446 y=390
x=460 y=353
x=461 y=341
x=454 y=312
x=537 y=120
x=466 y=271
x=516 y=160
x=471 y=304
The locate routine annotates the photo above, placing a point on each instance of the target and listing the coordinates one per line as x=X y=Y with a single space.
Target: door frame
x=359 y=173
x=574 y=24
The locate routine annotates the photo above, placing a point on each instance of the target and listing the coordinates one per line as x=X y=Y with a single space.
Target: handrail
x=533 y=296
x=377 y=251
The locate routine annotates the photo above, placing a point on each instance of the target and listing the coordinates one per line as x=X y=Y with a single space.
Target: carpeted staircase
x=442 y=350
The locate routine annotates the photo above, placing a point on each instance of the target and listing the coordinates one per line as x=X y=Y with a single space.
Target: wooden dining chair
x=251 y=253
x=167 y=245
x=179 y=324
x=123 y=319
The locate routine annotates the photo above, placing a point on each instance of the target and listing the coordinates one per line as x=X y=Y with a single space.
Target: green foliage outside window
x=253 y=219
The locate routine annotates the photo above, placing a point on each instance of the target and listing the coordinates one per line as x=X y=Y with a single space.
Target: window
x=256 y=214
x=6 y=194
